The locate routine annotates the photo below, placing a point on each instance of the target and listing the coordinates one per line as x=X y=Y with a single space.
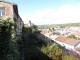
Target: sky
x=42 y=12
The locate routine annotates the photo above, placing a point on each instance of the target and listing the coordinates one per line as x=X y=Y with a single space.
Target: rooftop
x=62 y=39
x=53 y=36
x=72 y=42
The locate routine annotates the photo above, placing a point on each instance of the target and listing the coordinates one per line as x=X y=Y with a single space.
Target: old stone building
x=10 y=10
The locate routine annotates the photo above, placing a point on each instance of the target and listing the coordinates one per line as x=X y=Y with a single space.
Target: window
x=2 y=11
x=20 y=23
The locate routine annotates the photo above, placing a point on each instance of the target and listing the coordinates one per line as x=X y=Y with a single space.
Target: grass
x=32 y=50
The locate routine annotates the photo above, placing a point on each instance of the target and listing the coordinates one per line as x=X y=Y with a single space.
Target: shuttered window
x=2 y=11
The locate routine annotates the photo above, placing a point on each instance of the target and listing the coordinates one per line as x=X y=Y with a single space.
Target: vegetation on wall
x=8 y=41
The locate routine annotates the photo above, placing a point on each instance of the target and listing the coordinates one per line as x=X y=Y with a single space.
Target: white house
x=71 y=44
x=61 y=40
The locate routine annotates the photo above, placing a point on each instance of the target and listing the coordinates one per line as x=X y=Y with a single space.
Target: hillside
x=37 y=49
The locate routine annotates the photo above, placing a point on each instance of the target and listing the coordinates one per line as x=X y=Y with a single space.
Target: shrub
x=8 y=41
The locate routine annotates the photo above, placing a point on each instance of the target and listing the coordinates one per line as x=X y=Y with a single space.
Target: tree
x=53 y=28
x=72 y=36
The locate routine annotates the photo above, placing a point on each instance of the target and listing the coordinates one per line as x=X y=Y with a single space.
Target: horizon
x=42 y=12
x=62 y=24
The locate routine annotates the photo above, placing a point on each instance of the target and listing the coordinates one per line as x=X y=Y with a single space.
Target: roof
x=62 y=39
x=46 y=33
x=27 y=25
x=72 y=42
x=8 y=2
x=53 y=36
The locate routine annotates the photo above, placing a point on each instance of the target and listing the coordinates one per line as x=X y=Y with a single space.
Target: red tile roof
x=62 y=39
x=72 y=42
x=46 y=32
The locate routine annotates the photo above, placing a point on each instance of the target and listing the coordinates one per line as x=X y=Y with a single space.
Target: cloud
x=65 y=14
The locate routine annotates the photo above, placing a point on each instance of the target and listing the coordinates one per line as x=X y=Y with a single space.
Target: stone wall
x=8 y=10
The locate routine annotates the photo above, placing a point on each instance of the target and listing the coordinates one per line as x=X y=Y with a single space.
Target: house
x=45 y=35
x=60 y=32
x=72 y=44
x=46 y=32
x=10 y=10
x=61 y=40
x=63 y=32
x=69 y=44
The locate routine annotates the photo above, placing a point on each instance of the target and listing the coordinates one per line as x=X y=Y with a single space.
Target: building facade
x=10 y=10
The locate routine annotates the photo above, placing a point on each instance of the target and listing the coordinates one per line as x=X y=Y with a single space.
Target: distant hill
x=60 y=25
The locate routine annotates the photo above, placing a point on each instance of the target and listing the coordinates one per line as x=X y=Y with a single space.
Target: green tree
x=53 y=28
x=72 y=36
x=27 y=30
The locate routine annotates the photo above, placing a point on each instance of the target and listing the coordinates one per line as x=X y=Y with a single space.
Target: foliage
x=33 y=36
x=56 y=53
x=27 y=30
x=62 y=26
x=72 y=36
x=8 y=41
x=53 y=28
x=34 y=26
x=66 y=57
x=36 y=31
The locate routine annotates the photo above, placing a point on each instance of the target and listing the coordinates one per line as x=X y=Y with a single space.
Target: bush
x=8 y=41
x=27 y=30
x=72 y=36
